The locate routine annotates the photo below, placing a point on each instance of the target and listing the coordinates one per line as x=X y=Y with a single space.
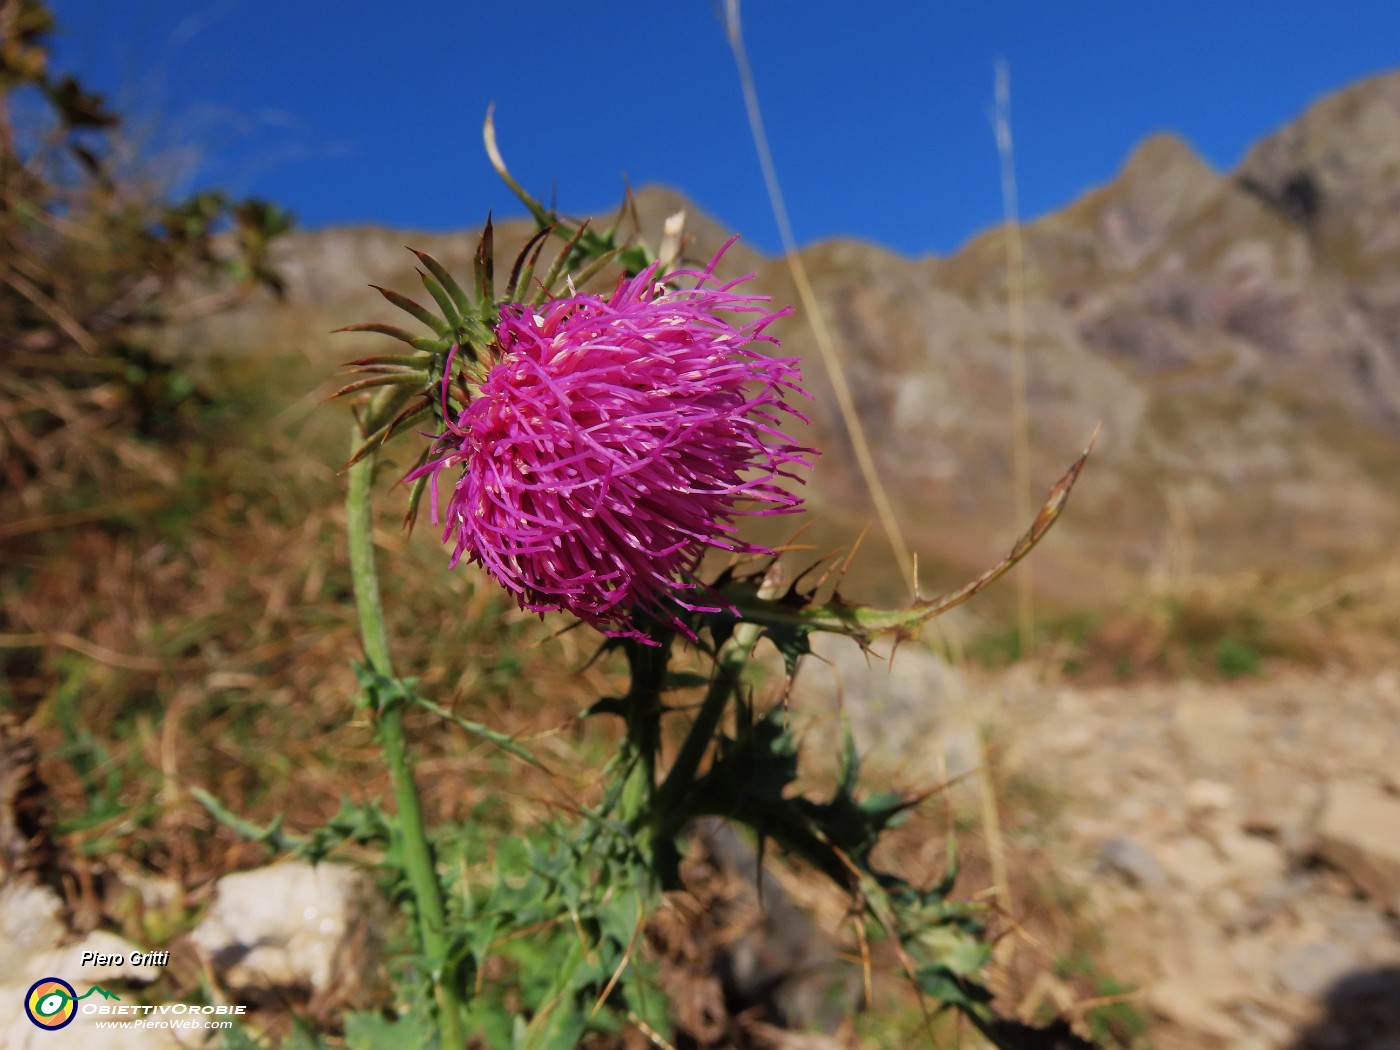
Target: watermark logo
x=51 y=1003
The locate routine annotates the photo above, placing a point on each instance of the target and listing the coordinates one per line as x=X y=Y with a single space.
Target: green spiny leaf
x=448 y=282
x=408 y=306
x=635 y=259
x=385 y=404
x=414 y=361
x=440 y=296
x=850 y=757
x=415 y=497
x=429 y=346
x=380 y=692
x=407 y=379
x=501 y=740
x=944 y=886
x=587 y=273
x=953 y=989
x=525 y=262
x=372 y=1031
x=484 y=267
x=411 y=414
x=561 y=263
x=270 y=835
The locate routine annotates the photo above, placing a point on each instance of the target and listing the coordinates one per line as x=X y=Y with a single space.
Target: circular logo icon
x=51 y=1003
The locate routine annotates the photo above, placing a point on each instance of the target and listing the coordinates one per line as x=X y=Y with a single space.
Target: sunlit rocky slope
x=1236 y=333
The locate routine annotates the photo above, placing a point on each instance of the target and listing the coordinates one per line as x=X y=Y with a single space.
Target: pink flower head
x=614 y=441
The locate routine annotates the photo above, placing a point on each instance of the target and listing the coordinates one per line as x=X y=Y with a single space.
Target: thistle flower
x=614 y=441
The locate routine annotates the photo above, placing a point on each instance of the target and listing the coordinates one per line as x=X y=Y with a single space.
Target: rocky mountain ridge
x=1237 y=334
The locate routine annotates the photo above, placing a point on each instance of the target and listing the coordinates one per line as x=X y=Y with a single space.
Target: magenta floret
x=614 y=441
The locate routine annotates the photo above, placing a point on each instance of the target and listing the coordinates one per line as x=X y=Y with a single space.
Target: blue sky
x=362 y=111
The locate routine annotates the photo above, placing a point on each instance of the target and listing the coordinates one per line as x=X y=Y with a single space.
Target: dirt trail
x=1242 y=843
x=1236 y=845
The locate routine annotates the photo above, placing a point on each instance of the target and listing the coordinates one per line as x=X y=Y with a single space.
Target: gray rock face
x=779 y=960
x=1243 y=354
x=38 y=944
x=291 y=926
x=31 y=924
x=891 y=702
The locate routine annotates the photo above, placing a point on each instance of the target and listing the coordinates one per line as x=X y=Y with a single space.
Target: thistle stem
x=418 y=859
x=670 y=796
x=648 y=665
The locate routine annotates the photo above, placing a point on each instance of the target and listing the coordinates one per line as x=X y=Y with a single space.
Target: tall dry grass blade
x=1020 y=460
x=990 y=815
x=91 y=650
x=884 y=509
x=50 y=522
x=1016 y=317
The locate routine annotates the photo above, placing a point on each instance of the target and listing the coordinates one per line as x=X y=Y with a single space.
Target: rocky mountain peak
x=1165 y=167
x=1337 y=161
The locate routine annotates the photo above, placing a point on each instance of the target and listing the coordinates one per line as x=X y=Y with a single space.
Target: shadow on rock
x=1362 y=1012
x=775 y=960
